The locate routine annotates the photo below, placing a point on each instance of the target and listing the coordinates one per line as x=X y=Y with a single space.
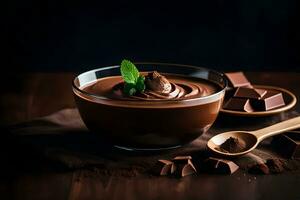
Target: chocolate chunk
x=183 y=170
x=229 y=92
x=220 y=166
x=238 y=79
x=259 y=169
x=182 y=159
x=239 y=104
x=249 y=93
x=164 y=167
x=288 y=144
x=275 y=166
x=271 y=100
x=158 y=83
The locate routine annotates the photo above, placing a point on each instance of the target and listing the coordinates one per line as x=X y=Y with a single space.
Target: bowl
x=149 y=124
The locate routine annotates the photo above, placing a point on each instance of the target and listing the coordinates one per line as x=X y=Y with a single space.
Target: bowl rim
x=222 y=90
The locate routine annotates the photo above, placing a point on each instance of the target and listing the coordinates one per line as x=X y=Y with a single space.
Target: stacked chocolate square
x=242 y=96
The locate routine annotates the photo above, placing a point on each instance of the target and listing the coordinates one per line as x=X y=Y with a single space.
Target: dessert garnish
x=158 y=83
x=153 y=85
x=134 y=81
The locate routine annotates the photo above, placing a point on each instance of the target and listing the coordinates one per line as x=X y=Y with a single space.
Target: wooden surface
x=27 y=96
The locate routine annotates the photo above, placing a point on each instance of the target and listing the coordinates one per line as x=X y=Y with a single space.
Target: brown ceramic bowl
x=149 y=125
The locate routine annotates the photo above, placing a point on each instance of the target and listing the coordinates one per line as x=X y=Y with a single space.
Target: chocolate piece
x=229 y=92
x=233 y=145
x=158 y=83
x=239 y=104
x=164 y=167
x=271 y=100
x=259 y=169
x=183 y=170
x=182 y=159
x=249 y=93
x=288 y=144
x=238 y=79
x=220 y=166
x=275 y=166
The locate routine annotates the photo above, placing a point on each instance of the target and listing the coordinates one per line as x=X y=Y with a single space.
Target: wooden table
x=31 y=95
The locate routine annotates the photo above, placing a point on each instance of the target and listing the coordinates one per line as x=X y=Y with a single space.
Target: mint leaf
x=129 y=72
x=140 y=84
x=134 y=82
x=129 y=89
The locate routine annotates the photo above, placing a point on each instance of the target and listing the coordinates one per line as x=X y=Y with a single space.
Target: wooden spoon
x=251 y=138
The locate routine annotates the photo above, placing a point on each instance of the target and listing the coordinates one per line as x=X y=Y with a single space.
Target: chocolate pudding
x=173 y=114
x=181 y=88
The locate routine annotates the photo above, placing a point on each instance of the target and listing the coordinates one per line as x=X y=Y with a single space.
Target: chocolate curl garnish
x=158 y=83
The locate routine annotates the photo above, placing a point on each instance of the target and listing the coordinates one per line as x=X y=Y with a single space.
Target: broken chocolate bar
x=164 y=167
x=182 y=159
x=288 y=144
x=220 y=166
x=240 y=104
x=249 y=93
x=238 y=79
x=271 y=100
x=183 y=170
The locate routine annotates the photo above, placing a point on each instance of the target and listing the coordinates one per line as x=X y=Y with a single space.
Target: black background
x=220 y=34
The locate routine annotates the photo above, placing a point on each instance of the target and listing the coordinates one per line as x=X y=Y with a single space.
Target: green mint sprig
x=134 y=82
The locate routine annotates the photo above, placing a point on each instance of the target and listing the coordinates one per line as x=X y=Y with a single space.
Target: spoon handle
x=278 y=128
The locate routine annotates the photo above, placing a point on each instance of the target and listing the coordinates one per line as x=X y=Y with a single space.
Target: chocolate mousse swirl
x=159 y=88
x=178 y=91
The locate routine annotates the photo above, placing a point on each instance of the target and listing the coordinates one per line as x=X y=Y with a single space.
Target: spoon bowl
x=250 y=138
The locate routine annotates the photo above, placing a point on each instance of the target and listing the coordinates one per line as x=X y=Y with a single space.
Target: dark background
x=220 y=34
